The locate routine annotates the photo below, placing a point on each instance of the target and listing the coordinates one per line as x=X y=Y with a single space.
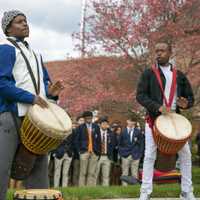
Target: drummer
x=17 y=93
x=150 y=96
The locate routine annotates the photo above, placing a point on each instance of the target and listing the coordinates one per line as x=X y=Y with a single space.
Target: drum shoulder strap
x=36 y=85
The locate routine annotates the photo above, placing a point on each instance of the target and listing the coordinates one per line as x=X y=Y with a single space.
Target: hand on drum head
x=182 y=102
x=40 y=102
x=55 y=88
x=164 y=110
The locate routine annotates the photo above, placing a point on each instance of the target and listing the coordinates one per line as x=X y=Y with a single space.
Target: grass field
x=86 y=193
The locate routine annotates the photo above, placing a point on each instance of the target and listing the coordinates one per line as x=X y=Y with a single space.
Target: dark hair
x=115 y=128
x=132 y=119
x=103 y=119
x=87 y=114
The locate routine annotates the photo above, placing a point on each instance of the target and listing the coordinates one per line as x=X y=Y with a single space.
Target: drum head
x=53 y=120
x=38 y=194
x=174 y=126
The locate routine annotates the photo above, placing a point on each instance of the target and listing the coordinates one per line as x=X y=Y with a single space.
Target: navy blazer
x=135 y=147
x=65 y=147
x=74 y=148
x=81 y=139
x=111 y=143
x=116 y=149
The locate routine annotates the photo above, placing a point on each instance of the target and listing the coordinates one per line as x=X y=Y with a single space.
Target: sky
x=51 y=23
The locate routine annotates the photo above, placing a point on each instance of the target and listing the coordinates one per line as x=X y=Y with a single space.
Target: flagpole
x=82 y=27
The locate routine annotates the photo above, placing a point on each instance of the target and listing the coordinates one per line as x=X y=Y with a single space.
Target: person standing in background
x=107 y=150
x=116 y=165
x=130 y=148
x=62 y=158
x=88 y=144
x=76 y=159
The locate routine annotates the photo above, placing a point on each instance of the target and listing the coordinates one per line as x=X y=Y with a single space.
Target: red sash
x=168 y=103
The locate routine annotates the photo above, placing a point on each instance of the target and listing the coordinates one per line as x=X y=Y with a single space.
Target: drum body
x=43 y=130
x=171 y=132
x=38 y=194
x=164 y=162
x=23 y=163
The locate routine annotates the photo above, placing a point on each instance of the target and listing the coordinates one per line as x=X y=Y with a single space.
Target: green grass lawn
x=86 y=193
x=171 y=190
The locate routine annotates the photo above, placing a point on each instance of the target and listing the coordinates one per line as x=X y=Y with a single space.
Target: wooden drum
x=171 y=132
x=38 y=194
x=43 y=130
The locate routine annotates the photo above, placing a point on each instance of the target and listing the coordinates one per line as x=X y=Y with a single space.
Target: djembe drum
x=42 y=130
x=38 y=194
x=171 y=132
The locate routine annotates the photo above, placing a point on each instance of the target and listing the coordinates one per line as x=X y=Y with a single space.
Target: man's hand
x=182 y=102
x=55 y=88
x=40 y=102
x=164 y=110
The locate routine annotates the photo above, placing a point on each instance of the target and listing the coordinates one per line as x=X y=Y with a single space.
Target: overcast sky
x=51 y=24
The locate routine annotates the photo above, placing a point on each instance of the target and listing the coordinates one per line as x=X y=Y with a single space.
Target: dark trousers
x=9 y=140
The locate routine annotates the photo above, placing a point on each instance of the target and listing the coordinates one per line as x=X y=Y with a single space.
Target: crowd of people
x=95 y=148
